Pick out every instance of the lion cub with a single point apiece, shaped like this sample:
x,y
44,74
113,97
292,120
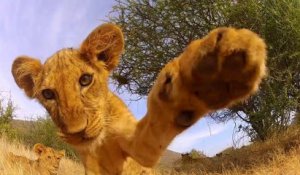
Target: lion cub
x,y
47,162
213,72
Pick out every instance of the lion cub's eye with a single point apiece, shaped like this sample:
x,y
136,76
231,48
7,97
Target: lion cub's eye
x,y
48,94
85,79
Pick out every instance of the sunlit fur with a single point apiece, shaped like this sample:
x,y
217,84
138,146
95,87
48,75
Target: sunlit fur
x,y
47,162
214,72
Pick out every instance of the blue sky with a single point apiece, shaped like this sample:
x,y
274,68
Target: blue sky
x,y
39,28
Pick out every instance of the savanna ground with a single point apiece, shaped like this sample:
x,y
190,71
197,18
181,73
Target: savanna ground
x,y
275,156
278,155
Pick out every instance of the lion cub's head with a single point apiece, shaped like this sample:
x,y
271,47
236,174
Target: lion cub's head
x,y
48,158
73,83
46,163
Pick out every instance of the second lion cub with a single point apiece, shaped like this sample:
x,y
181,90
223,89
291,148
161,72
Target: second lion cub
x,y
47,162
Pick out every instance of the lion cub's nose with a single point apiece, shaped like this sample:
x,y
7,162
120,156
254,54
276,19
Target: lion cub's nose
x,y
73,125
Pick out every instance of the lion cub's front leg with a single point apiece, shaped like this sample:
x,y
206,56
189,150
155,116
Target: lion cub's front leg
x,y
224,67
215,72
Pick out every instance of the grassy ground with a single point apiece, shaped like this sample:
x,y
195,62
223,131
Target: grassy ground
x,y
277,156
279,164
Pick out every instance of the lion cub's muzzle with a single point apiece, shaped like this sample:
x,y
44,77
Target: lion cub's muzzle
x,y
77,126
71,124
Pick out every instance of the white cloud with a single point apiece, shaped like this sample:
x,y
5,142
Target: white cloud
x,y
189,139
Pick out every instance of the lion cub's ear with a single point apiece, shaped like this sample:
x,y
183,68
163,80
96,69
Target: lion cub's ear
x,y
39,148
105,43
25,70
62,153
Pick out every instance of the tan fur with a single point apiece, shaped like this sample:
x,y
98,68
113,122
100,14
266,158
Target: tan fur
x,y
47,162
214,72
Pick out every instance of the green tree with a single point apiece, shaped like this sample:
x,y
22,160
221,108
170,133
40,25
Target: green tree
x,y
271,110
157,31
7,110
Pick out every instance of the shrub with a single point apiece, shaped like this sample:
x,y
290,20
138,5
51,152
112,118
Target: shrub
x,y
7,110
194,154
44,131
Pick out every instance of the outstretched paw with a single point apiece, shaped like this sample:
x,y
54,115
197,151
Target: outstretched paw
x,y
225,66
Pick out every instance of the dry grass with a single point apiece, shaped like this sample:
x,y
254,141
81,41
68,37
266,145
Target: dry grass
x,y
280,164
277,156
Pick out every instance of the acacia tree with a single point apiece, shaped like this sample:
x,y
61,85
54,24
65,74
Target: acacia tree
x,y
157,31
271,110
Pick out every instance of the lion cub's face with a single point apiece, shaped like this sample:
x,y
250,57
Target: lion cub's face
x,y
73,83
48,158
74,93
